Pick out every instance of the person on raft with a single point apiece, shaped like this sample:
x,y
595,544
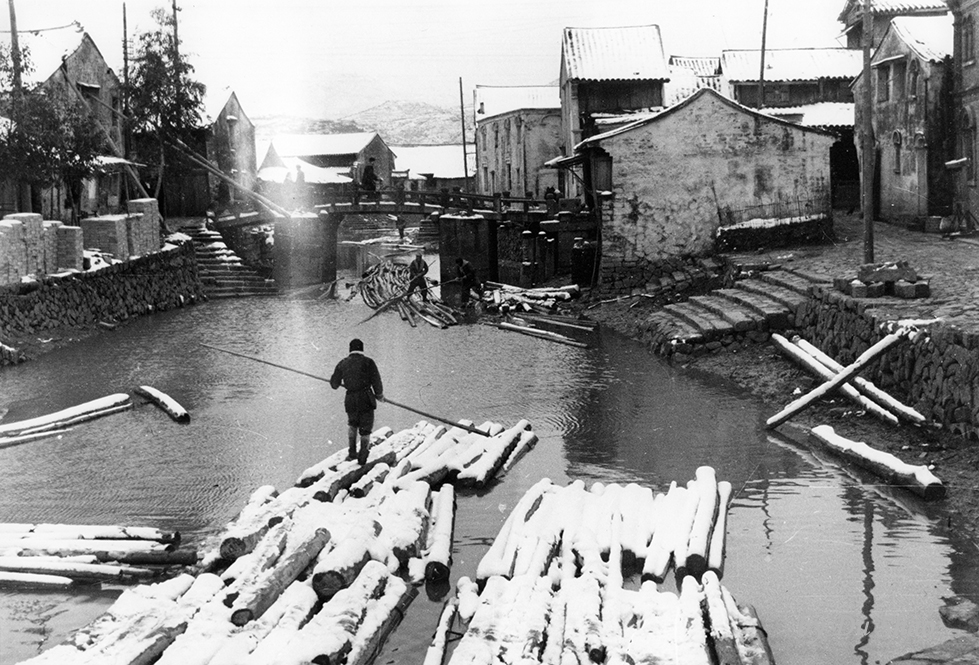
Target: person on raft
x,y
466,275
417,270
358,374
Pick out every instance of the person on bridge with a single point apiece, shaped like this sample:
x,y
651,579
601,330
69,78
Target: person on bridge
x,y
417,270
369,180
359,375
466,275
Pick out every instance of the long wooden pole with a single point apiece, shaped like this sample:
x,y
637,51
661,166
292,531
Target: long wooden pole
x,y
868,154
845,375
320,378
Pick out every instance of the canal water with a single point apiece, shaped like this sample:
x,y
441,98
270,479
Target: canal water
x,y
839,570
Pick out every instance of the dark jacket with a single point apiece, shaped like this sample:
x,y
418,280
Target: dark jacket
x,y
417,268
467,274
358,374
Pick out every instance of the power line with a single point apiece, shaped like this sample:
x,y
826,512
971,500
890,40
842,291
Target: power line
x,y
34,31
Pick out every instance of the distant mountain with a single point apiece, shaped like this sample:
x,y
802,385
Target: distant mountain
x,y
398,123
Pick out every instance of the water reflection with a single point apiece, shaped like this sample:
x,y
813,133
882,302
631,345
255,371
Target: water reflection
x,y
840,569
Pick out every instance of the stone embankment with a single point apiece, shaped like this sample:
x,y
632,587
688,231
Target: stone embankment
x,y
155,282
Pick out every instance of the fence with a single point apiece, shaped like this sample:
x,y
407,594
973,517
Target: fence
x,y
807,206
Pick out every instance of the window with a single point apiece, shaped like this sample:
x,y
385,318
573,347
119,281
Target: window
x,y
898,79
913,71
967,31
883,84
897,151
969,144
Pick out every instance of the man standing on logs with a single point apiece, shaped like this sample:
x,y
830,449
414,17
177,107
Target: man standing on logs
x,y
466,274
417,270
358,374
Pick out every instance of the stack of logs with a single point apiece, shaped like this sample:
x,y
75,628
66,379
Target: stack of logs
x,y
311,574
557,584
505,298
385,285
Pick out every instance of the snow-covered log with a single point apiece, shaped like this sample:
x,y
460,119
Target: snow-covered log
x,y
583,626
527,441
638,514
703,522
436,650
915,478
684,523
123,551
474,647
73,569
718,537
498,560
70,416
363,486
11,579
801,357
337,568
691,638
169,405
382,616
495,452
303,545
750,638
863,385
404,521
718,622
317,471
87,532
438,559
467,591
839,379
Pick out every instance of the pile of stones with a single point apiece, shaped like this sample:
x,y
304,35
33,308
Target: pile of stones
x,y
876,280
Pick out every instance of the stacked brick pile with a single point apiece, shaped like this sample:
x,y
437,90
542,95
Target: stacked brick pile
x,y
143,227
160,281
31,246
888,279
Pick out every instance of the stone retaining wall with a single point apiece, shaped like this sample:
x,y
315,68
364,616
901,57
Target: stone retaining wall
x,y
937,373
155,282
637,276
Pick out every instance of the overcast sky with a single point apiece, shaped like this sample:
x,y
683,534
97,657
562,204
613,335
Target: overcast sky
x,y
327,58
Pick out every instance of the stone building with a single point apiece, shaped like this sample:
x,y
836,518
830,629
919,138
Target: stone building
x,y
518,129
607,72
965,81
911,98
435,167
230,139
668,182
883,12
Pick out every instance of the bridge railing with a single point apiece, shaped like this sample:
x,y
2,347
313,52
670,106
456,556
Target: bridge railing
x,y
444,198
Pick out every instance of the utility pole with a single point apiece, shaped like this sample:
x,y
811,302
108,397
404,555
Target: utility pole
x,y
867,138
15,100
761,74
176,59
462,117
125,86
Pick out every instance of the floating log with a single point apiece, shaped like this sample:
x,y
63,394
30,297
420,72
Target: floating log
x,y
719,623
750,638
863,385
439,555
165,402
8,441
718,537
263,640
303,548
88,532
636,508
542,334
436,650
564,322
11,579
842,377
583,627
703,522
73,569
38,545
404,521
498,560
383,615
337,568
70,416
800,356
915,478
315,472
495,451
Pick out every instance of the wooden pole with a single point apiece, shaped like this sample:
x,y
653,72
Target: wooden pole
x,y
761,73
462,117
836,381
867,137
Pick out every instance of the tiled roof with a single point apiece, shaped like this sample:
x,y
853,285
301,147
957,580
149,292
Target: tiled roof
x,y
494,100
442,161
894,7
701,66
821,114
308,145
46,49
928,36
602,54
802,64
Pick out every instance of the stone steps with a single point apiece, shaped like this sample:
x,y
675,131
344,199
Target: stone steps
x,y
222,272
746,313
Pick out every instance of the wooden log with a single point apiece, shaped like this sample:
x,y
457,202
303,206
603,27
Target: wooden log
x,y
691,639
636,508
254,564
404,521
73,569
349,472
495,452
914,478
527,441
254,600
87,532
499,559
315,472
38,545
703,522
863,385
842,377
362,487
551,655
8,441
541,334
719,623
438,559
467,591
539,539
272,634
382,616
337,568
718,537
750,637
169,405
660,548
436,650
65,417
821,371
583,627
11,579
475,645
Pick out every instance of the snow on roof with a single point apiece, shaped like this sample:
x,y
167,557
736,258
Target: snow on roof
x,y
821,114
928,36
215,99
441,161
893,7
699,65
796,64
308,145
46,49
627,53
493,100
313,174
